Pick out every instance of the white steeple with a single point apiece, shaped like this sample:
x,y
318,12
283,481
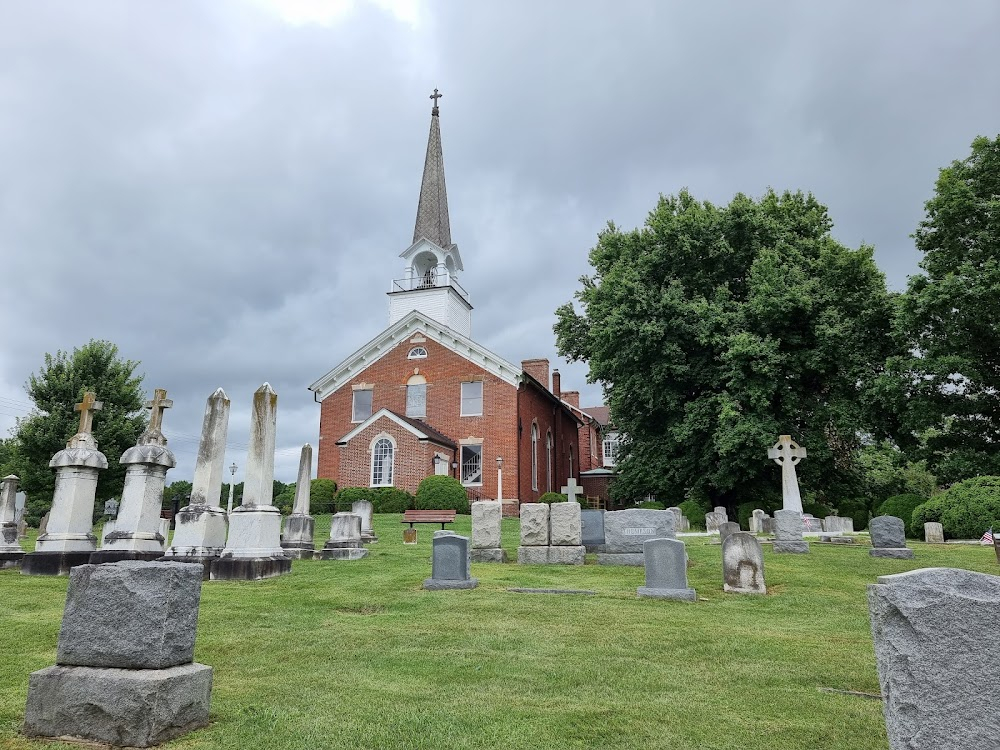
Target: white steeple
x,y
430,278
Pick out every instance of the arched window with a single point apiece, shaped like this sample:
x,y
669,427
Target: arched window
x,y
382,455
534,456
417,352
548,461
571,462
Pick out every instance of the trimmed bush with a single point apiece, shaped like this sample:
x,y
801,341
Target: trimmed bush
x,y
321,496
818,510
392,500
651,505
857,510
694,513
902,506
442,493
350,495
553,497
965,510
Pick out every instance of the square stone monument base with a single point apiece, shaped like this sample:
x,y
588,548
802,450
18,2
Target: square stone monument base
x,y
250,568
298,552
790,548
493,555
896,553
120,707
567,555
439,584
11,560
682,595
53,563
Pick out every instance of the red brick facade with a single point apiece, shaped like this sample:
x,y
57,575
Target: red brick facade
x,y
503,429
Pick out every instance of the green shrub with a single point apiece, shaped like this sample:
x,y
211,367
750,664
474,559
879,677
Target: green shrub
x,y
965,510
694,513
651,505
902,506
350,495
857,510
442,493
817,510
392,500
283,500
321,496
553,497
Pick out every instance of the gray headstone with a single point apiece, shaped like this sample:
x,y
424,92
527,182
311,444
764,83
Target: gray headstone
x,y
839,524
132,615
564,525
625,531
757,521
678,517
788,525
450,562
727,528
767,525
722,512
713,521
887,532
43,524
486,518
935,633
933,533
743,564
534,525
666,570
592,522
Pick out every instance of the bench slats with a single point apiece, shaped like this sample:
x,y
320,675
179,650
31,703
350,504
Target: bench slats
x,y
428,516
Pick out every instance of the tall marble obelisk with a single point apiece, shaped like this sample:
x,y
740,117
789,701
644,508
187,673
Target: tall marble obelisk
x,y
136,535
253,549
297,540
68,539
200,528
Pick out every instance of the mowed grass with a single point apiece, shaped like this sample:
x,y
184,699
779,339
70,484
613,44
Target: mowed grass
x,y
357,655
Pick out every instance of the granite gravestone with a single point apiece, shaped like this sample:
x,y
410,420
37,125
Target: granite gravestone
x,y
592,532
788,532
124,671
935,634
838,524
888,535
743,564
713,521
487,516
450,563
727,528
625,531
933,533
534,548
666,571
565,534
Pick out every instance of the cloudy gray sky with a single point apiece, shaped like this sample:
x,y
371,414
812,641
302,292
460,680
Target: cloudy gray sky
x,y
222,188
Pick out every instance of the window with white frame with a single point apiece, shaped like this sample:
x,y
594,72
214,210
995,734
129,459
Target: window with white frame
x,y
571,462
382,455
472,464
417,352
534,456
362,406
472,399
548,462
610,448
416,396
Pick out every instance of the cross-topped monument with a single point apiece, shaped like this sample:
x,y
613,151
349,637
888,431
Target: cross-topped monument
x,y
571,490
435,96
787,453
87,407
159,402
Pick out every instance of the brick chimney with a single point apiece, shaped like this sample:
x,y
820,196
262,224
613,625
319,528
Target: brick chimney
x,y
538,369
556,384
572,398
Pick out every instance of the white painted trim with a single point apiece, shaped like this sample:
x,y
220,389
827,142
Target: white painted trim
x,y
410,324
374,418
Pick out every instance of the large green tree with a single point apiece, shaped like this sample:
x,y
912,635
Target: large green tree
x,y
713,329
950,402
55,389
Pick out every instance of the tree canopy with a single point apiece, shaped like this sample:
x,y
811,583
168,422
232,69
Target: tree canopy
x,y
55,389
713,329
949,404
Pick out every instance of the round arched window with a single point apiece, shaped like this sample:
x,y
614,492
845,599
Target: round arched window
x,y
417,352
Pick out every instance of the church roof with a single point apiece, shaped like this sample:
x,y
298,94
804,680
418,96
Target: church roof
x,y
601,413
432,210
404,328
421,430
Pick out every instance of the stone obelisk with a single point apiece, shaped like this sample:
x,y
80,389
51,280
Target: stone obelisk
x,y
253,549
136,535
297,540
200,528
68,539
11,553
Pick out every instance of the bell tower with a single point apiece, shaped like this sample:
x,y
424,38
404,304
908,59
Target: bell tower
x,y
432,263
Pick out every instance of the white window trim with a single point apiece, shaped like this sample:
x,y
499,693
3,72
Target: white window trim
x,y
461,399
415,353
548,460
371,408
461,464
392,462
534,456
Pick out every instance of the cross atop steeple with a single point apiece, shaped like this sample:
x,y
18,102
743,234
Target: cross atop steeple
x,y
87,407
435,96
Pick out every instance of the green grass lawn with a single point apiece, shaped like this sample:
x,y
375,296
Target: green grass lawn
x,y
356,655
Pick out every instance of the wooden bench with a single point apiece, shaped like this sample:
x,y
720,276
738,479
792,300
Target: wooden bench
x,y
428,516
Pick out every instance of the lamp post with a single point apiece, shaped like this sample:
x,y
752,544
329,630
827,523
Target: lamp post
x,y
232,470
500,478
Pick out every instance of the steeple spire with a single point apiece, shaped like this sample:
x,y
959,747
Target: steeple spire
x,y
432,209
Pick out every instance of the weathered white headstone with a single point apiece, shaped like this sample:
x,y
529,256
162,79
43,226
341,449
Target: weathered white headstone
x,y
713,521
721,510
933,533
68,540
838,524
297,538
935,633
888,535
11,553
200,527
135,533
788,532
743,564
787,453
253,547
757,521
666,571
727,528
486,520
364,510
345,539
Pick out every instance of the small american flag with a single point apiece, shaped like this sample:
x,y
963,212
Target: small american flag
x,y
987,538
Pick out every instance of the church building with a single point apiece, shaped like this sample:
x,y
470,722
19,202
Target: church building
x,y
423,397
